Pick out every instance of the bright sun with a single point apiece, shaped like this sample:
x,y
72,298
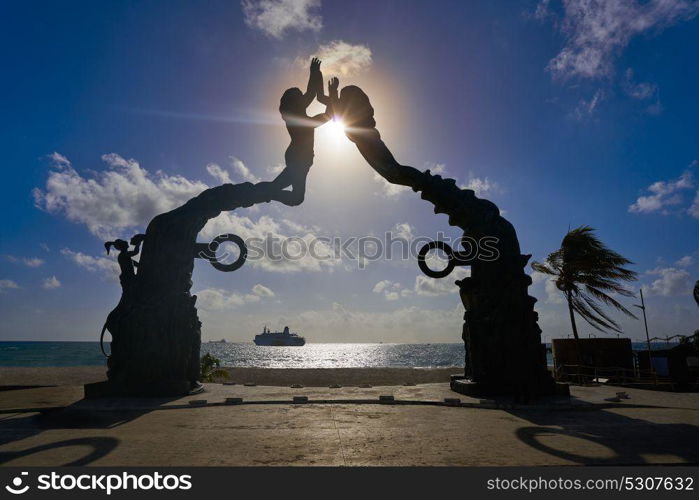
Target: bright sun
x,y
335,130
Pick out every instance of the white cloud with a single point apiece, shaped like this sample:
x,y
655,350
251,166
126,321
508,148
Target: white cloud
x,y
665,194
277,17
7,284
275,170
381,286
542,10
106,265
404,231
671,281
121,202
27,261
638,90
262,291
538,277
125,197
268,235
216,299
481,186
436,168
59,160
342,59
424,285
597,31
586,107
50,283
387,189
693,210
685,261
642,91
243,171
553,294
218,173
555,323
389,289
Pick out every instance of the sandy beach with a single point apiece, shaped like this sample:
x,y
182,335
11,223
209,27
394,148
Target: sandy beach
x,y
309,377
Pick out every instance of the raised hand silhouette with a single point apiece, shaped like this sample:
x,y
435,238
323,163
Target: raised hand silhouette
x,y
301,127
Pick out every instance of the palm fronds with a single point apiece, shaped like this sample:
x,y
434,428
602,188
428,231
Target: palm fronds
x,y
589,274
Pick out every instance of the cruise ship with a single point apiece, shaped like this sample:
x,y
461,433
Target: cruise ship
x,y
284,338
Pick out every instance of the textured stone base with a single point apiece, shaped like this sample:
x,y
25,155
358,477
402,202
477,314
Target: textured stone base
x,y
107,389
467,387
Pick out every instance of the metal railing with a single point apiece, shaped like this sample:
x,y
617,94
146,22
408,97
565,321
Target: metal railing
x,y
584,374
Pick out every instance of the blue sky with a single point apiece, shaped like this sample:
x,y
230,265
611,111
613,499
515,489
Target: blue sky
x,y
562,113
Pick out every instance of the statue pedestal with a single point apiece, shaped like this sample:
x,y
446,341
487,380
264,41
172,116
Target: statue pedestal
x,y
155,329
109,389
468,387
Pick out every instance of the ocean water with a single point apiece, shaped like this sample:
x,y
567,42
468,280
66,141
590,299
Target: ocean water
x,y
338,355
250,355
50,354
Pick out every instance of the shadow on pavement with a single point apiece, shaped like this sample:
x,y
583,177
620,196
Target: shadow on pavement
x,y
627,440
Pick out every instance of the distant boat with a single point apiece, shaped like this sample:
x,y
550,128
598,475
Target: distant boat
x,y
284,338
222,341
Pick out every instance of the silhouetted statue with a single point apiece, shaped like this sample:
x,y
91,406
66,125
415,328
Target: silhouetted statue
x,y
504,354
125,259
301,128
127,278
156,333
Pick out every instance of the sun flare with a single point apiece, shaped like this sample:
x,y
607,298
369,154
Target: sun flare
x,y
335,130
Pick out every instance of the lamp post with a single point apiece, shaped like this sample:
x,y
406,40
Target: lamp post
x,y
642,307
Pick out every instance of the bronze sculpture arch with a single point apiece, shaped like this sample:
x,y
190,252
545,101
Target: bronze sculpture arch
x,y
156,332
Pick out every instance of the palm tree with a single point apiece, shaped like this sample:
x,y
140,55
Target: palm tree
x,y
587,272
